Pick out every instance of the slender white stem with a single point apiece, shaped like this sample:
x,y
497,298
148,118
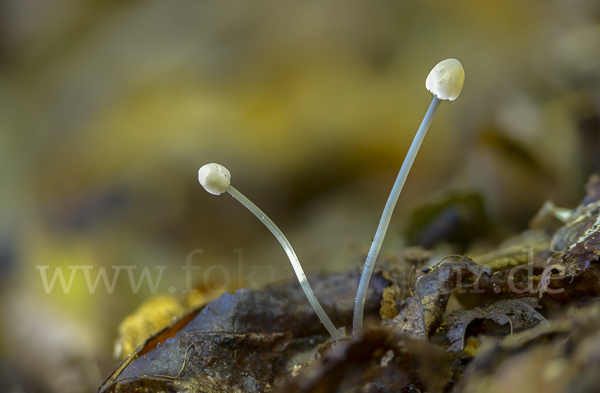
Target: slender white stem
x,y
363,286
293,259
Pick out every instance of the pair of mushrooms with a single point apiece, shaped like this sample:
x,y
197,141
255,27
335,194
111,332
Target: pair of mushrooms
x,y
445,81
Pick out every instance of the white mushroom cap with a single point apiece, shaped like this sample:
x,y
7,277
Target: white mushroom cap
x,y
446,79
215,178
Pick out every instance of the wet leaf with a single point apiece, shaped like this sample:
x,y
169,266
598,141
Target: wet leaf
x,y
519,313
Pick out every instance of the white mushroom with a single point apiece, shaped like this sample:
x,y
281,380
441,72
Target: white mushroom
x,y
216,180
445,81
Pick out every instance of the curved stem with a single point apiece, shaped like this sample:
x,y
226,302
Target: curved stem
x,y
293,259
363,286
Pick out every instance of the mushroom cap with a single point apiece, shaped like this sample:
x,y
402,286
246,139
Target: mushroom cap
x,y
215,178
446,79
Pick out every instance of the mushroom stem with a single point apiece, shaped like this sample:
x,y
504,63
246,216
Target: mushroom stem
x,y
363,286
335,333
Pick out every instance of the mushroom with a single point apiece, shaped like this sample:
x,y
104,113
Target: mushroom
x,y
445,81
216,180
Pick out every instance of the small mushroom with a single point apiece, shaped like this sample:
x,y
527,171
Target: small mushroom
x,y
445,81
216,180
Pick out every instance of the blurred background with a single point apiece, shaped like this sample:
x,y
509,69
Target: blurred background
x,y
108,109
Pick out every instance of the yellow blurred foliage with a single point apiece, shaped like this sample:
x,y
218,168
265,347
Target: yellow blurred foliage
x,y
151,316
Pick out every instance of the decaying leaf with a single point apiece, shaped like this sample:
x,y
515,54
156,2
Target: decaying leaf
x,y
552,272
422,313
519,313
549,218
576,247
566,271
397,269
559,357
529,246
244,319
153,315
380,361
206,362
389,303
284,307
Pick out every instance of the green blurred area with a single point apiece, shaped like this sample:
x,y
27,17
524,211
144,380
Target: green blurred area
x,y
108,109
